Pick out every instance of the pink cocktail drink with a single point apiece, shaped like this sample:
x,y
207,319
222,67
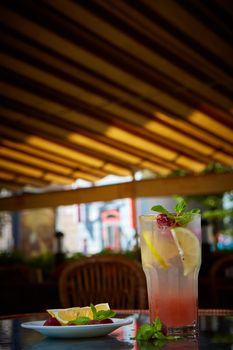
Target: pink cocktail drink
x,y
171,258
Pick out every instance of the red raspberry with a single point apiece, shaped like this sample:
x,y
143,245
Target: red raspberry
x,y
107,320
164,329
94,322
52,321
163,221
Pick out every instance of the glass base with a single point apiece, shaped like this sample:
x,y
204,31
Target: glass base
x,y
190,331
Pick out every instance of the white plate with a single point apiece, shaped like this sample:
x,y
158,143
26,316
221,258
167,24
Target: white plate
x,y
87,331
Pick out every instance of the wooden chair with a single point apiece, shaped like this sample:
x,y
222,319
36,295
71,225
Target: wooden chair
x,y
221,276
117,280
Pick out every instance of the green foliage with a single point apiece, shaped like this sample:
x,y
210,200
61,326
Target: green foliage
x,y
179,172
11,258
227,231
217,168
74,256
218,214
211,202
212,168
131,254
43,261
215,212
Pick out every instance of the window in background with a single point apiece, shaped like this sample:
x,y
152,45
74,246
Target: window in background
x,y
92,227
6,237
37,231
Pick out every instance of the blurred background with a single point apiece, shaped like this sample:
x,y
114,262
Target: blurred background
x,y
107,108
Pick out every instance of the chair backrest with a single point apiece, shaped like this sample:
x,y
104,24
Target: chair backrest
x,y
223,268
117,280
221,275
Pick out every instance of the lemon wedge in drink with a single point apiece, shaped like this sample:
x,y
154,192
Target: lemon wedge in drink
x,y
64,316
188,247
159,259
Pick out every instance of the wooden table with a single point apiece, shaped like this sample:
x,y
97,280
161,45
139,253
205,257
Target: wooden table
x,y
215,333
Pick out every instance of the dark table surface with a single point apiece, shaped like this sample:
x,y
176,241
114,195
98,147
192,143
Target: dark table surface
x,y
216,332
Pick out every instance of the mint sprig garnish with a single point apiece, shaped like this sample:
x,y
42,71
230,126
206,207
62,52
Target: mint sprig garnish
x,y
101,314
180,217
94,311
152,332
160,209
82,320
97,315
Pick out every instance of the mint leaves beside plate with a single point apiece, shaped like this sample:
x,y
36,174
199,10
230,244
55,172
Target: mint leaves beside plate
x,y
153,336
154,331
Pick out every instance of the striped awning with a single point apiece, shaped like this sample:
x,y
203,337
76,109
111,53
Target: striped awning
x,y
97,87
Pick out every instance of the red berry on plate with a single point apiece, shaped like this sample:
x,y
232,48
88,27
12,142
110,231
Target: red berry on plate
x,y
107,320
52,321
94,322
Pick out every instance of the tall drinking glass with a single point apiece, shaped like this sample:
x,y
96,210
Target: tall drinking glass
x,y
171,259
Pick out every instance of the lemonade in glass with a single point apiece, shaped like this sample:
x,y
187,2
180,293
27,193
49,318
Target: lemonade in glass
x,y
171,259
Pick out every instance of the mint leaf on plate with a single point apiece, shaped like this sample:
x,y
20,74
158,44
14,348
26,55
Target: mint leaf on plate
x,y
104,314
82,320
101,314
94,311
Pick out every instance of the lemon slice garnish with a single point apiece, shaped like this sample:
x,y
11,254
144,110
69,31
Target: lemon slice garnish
x,y
154,252
188,247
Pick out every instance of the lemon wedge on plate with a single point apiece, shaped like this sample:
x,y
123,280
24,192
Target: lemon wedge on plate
x,y
102,306
64,316
188,247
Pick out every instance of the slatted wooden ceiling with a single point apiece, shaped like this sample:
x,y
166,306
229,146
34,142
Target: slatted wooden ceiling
x,y
97,87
